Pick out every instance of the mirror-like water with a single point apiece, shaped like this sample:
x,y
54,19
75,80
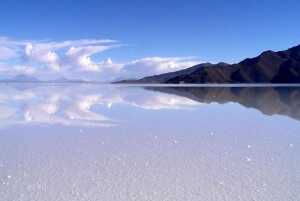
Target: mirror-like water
x,y
104,142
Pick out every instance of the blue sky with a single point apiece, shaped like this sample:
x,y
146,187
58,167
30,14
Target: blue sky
x,y
75,38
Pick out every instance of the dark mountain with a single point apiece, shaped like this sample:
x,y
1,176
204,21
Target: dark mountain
x,y
22,79
268,67
268,100
166,76
122,80
117,79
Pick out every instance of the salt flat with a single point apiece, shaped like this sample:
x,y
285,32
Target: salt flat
x,y
103,142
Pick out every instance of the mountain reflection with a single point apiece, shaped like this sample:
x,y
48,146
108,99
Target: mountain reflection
x,y
89,105
268,100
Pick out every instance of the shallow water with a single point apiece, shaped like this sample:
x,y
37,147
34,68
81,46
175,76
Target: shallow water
x,y
107,142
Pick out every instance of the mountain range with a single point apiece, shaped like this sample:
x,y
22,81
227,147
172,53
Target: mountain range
x,y
166,76
268,67
27,79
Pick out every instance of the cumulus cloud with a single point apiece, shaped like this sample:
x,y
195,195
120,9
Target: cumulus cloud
x,y
39,53
44,51
47,58
8,48
73,59
157,65
109,61
80,57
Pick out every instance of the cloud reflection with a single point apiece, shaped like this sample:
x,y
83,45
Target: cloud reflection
x,y
78,105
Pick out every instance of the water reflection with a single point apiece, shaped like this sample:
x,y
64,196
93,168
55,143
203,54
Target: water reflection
x,y
50,105
73,104
268,100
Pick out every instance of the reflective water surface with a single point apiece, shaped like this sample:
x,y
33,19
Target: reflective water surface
x,y
110,142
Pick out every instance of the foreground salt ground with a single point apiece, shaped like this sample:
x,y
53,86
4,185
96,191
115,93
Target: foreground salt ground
x,y
169,148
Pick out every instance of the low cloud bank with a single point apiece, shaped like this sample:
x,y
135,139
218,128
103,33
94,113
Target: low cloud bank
x,y
72,59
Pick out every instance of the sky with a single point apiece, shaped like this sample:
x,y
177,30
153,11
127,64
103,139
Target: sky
x,y
103,40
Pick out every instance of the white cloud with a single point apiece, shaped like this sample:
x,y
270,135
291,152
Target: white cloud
x,y
79,57
24,69
73,59
5,41
8,48
6,52
44,51
8,72
109,61
49,59
157,65
39,53
3,67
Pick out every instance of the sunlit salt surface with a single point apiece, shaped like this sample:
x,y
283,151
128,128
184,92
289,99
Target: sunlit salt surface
x,y
106,142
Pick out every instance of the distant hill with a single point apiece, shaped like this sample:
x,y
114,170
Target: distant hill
x,y
22,79
66,80
27,79
268,67
166,76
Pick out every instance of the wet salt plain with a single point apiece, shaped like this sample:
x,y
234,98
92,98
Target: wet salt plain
x,y
108,142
